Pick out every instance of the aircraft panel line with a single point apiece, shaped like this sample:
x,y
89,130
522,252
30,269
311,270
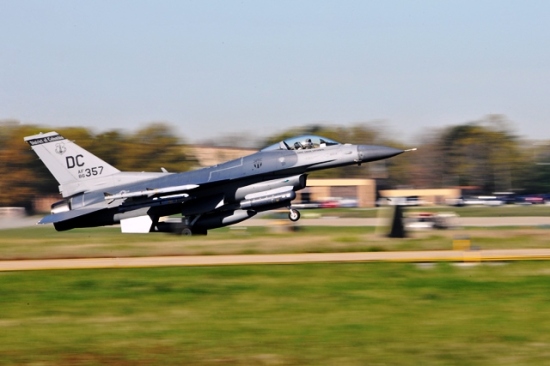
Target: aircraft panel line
x,y
228,168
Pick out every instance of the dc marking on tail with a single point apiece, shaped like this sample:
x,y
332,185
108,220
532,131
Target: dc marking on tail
x,y
78,161
74,161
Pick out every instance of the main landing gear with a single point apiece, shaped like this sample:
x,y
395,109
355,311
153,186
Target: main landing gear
x,y
181,227
293,215
188,231
188,227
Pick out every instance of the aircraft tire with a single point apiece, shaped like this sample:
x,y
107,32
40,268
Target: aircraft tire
x,y
187,231
294,215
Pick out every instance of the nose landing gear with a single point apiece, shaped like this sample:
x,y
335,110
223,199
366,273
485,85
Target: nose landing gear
x,y
294,215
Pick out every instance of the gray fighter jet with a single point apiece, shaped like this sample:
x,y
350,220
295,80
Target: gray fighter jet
x,y
96,193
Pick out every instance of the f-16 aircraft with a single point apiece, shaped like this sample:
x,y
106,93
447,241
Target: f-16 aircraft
x,y
96,193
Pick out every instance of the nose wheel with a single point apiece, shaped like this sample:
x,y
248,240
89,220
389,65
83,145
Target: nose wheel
x,y
294,215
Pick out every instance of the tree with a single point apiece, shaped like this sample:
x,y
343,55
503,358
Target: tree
x,y
482,154
155,146
536,168
22,175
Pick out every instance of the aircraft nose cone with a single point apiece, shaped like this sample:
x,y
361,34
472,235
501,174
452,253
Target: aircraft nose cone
x,y
373,152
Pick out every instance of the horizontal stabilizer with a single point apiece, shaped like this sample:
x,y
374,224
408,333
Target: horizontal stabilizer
x,y
67,215
150,192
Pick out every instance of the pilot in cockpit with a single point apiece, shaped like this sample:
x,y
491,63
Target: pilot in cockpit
x,y
306,144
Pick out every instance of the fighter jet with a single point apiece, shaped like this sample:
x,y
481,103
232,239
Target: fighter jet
x,y
96,193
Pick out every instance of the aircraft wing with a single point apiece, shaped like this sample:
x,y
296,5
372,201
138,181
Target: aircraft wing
x,y
167,192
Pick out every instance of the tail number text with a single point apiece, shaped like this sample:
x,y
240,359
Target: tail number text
x,y
89,172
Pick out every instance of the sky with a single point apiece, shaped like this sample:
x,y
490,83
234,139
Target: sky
x,y
258,67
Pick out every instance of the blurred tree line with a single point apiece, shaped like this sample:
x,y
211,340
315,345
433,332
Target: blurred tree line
x,y
484,155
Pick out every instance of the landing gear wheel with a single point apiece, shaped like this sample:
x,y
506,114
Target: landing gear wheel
x,y
294,215
187,232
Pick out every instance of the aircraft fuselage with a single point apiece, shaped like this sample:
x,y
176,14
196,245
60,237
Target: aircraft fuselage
x,y
211,197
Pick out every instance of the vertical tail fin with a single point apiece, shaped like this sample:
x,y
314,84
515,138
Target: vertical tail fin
x,y
68,162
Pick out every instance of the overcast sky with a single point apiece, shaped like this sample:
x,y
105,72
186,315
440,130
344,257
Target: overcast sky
x,y
218,67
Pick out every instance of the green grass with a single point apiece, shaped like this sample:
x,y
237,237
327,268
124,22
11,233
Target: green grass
x,y
323,314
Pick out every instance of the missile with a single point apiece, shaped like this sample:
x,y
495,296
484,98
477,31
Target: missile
x,y
149,192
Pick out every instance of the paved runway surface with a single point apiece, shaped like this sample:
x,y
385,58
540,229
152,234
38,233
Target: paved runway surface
x,y
176,261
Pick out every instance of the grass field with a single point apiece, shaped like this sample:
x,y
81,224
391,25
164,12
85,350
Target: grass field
x,y
317,314
337,314
44,242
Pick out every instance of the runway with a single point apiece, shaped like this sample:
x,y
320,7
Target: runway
x,y
470,256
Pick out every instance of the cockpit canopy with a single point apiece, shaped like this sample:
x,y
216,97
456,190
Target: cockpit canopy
x,y
302,143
